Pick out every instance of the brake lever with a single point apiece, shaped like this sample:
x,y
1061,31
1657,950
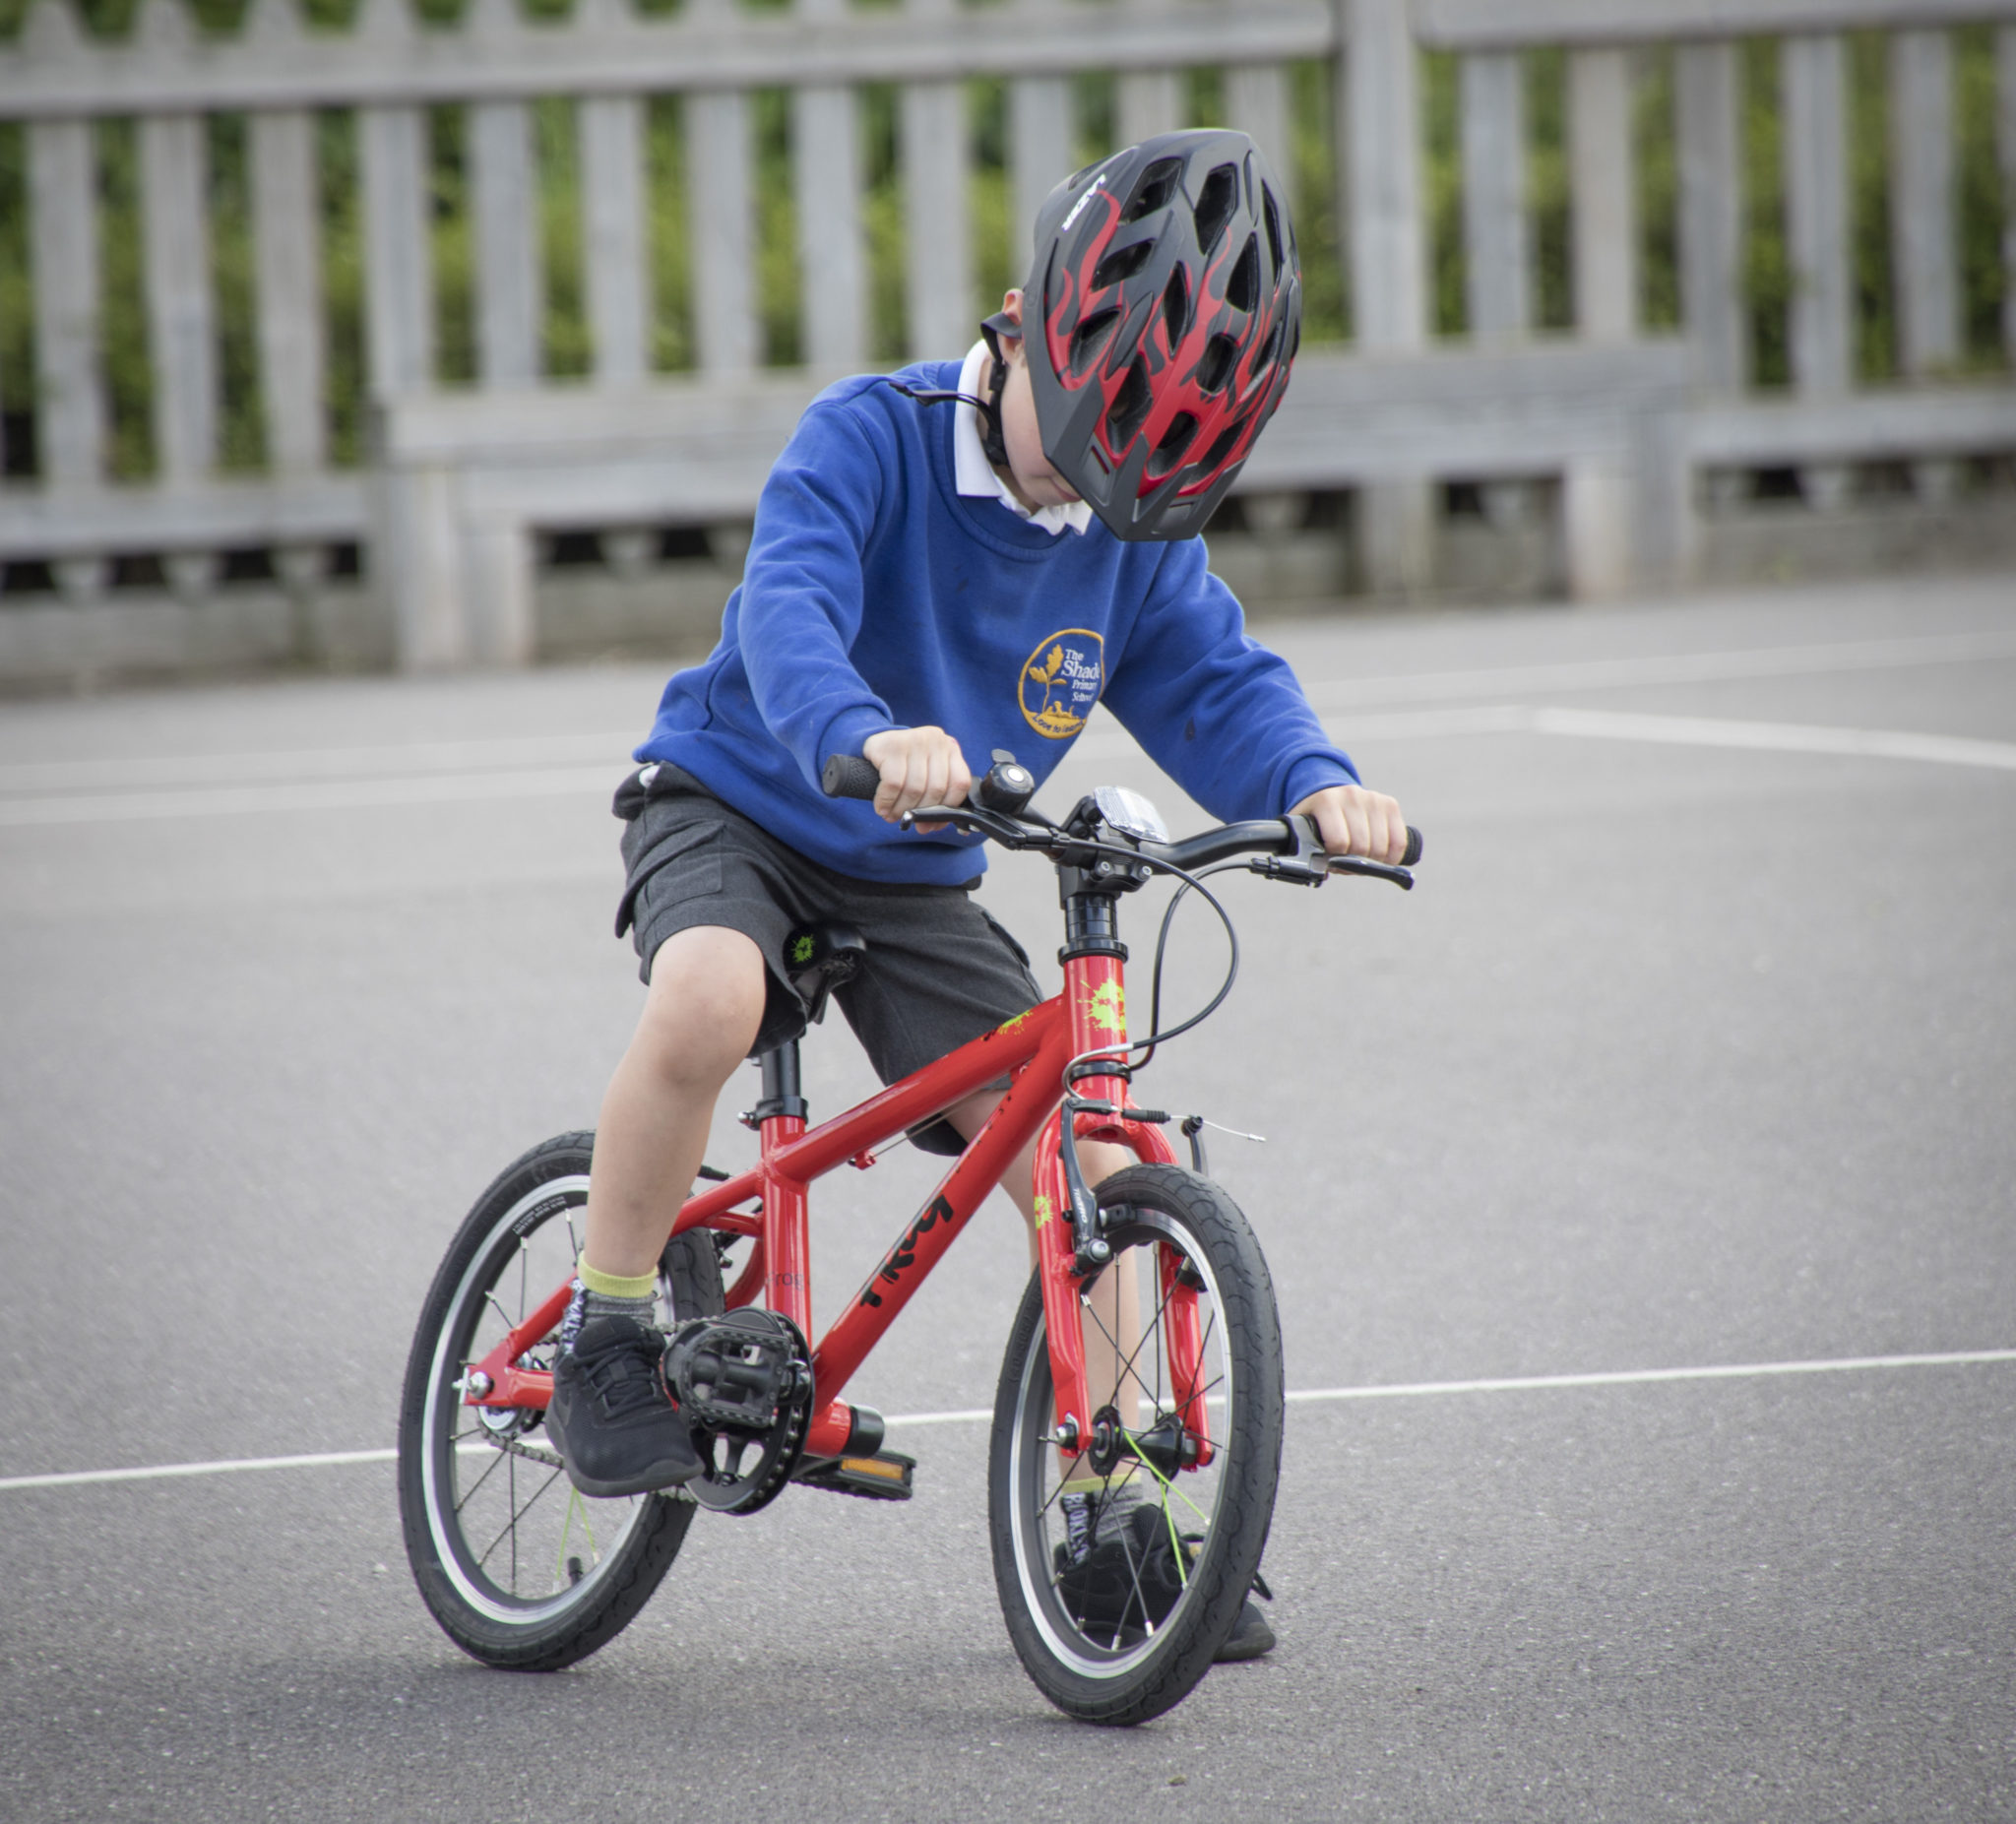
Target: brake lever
x,y
1372,871
990,824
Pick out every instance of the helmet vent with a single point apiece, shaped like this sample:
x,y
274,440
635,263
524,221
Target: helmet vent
x,y
1121,265
1272,216
1227,441
1157,184
1175,305
1129,410
1176,440
1244,292
1215,368
1090,338
1216,205
1263,361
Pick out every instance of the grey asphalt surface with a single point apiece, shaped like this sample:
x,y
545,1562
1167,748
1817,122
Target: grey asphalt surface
x,y
1679,1056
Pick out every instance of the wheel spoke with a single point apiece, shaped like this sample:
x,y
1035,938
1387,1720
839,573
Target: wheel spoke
x,y
502,1561
490,1470
510,1528
1150,1327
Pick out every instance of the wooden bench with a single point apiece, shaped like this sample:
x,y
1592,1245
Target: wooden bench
x,y
464,484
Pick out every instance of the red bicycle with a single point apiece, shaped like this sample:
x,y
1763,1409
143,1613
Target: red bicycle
x,y
1146,1355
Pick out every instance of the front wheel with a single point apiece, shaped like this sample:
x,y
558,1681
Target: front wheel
x,y
520,1569
1121,1570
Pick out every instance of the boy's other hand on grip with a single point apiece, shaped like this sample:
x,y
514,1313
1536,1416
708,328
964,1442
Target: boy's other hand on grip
x,y
1352,821
918,766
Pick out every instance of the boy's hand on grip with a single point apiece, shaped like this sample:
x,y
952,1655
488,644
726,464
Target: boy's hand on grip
x,y
1352,821
918,766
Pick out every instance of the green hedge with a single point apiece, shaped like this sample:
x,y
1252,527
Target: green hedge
x,y
567,342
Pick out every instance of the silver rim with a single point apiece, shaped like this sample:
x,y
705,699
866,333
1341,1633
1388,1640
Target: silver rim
x,y
518,1541
1189,1500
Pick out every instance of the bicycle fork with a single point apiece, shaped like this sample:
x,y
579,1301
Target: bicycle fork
x,y
1071,1249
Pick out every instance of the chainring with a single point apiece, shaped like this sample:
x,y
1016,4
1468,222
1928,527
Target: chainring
x,y
744,1466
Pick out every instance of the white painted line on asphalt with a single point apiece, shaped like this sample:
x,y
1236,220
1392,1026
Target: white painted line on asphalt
x,y
227,1466
45,810
546,765
347,794
1775,737
1667,668
283,765
1646,1377
1417,1390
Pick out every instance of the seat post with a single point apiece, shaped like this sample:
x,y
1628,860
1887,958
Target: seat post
x,y
779,1118
781,1086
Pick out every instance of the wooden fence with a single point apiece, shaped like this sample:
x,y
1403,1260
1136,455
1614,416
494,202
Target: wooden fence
x,y
609,61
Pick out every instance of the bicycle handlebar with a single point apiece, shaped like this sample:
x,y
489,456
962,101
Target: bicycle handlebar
x,y
848,775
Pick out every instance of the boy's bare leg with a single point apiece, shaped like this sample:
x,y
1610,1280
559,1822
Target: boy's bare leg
x,y
708,985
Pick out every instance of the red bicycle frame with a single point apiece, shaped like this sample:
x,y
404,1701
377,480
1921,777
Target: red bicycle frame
x,y
1032,1050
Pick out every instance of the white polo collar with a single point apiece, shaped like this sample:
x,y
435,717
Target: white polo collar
x,y
979,480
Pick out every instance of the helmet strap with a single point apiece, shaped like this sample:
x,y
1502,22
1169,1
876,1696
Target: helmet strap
x,y
993,441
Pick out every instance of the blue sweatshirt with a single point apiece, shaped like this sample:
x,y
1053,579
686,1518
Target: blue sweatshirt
x,y
876,597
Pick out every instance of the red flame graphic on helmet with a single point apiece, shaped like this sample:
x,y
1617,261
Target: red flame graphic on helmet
x,y
1227,415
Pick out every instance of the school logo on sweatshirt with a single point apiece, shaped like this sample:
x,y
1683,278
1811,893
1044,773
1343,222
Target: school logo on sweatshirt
x,y
1061,681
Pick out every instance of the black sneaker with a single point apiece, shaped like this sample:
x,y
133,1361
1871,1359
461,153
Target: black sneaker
x,y
609,1418
1116,1584
1249,1639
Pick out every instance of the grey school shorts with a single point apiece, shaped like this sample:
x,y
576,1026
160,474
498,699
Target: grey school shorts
x,y
938,971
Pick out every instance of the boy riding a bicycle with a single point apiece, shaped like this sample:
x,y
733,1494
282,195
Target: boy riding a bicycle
x,y
924,587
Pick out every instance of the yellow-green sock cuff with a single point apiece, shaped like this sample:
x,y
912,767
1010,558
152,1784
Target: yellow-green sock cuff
x,y
615,1284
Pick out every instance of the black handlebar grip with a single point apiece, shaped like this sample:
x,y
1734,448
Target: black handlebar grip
x,y
848,775
1414,848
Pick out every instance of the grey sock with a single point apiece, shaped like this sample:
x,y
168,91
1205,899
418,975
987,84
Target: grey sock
x,y
586,1305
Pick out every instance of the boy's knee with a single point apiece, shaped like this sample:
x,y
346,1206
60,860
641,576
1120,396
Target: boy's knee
x,y
709,987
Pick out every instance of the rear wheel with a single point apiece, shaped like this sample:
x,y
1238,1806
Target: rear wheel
x,y
1192,1427
521,1569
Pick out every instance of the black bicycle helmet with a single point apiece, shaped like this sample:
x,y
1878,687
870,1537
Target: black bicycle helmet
x,y
1159,321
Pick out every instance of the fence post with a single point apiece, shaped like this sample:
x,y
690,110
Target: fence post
x,y
618,274
826,181
721,228
286,254
2005,140
938,279
503,212
1379,152
1146,102
181,337
1711,224
399,281
413,557
63,248
617,270
1256,102
1815,101
616,267
1498,269
1039,155
1603,195
1922,220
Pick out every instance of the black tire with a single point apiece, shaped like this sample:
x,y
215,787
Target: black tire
x,y
488,1513
1129,1672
